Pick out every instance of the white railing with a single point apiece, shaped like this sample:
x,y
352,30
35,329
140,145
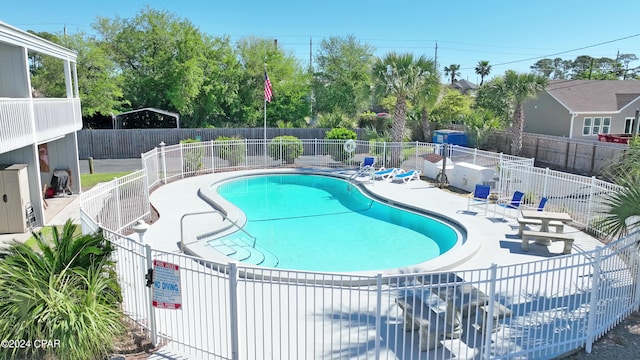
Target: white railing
x,y
17,132
542,309
53,118
117,205
56,117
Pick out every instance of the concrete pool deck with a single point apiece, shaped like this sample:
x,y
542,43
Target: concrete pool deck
x,y
489,239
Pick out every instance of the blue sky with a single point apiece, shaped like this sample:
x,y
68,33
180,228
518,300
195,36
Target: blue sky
x,y
509,34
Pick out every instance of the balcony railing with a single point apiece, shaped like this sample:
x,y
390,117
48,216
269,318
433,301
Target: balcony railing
x,y
53,118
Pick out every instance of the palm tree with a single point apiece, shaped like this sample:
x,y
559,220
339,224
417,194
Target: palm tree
x,y
517,88
483,69
623,206
426,99
402,76
67,290
453,70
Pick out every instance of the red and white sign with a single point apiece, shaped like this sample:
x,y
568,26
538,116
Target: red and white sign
x,y
166,285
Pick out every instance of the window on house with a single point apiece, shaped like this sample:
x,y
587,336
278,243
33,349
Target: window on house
x,y
597,123
628,125
586,129
606,125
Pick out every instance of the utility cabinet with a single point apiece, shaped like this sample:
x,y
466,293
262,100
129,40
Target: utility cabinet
x,y
14,198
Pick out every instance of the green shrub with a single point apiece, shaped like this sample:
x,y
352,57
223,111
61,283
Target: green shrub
x,y
286,147
337,152
192,156
340,134
232,149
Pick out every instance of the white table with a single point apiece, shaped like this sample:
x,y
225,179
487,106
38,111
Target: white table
x,y
545,218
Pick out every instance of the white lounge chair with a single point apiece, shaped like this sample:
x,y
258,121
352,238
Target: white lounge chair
x,y
385,174
407,176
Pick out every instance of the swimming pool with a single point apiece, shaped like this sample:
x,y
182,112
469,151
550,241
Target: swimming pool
x,y
322,223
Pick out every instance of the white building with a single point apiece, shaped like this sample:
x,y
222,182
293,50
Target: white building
x,y
29,124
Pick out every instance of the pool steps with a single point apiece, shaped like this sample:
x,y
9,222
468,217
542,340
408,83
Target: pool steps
x,y
238,248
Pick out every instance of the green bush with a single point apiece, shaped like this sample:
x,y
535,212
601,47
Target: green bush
x,y
232,149
192,156
286,147
340,134
337,152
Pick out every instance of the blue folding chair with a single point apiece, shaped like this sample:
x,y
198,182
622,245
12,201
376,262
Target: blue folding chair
x,y
514,203
480,197
543,202
367,163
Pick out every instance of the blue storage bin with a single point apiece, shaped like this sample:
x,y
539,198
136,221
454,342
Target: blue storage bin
x,y
453,137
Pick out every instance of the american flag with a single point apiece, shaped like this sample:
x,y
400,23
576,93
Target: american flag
x,y
267,88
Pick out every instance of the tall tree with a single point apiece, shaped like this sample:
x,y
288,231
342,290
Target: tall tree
x,y
403,76
164,61
452,70
483,69
99,84
626,59
341,82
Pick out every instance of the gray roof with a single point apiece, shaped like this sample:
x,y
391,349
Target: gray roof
x,y
465,85
594,95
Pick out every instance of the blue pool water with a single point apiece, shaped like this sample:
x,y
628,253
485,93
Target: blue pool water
x,y
321,223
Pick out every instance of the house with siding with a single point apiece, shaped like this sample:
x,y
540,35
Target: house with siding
x,y
36,131
583,109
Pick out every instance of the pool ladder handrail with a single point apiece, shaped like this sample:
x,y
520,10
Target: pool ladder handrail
x,y
223,217
253,245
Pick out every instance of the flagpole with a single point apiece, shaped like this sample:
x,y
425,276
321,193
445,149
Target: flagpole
x,y
265,123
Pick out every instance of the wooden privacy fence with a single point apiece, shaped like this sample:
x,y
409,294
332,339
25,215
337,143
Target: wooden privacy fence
x,y
130,143
572,155
578,156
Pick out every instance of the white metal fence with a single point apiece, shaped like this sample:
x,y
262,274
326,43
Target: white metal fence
x,y
580,196
535,310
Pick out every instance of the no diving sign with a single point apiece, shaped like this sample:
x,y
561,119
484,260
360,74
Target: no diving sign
x,y
166,285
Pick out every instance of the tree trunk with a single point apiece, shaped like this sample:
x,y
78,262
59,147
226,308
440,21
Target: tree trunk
x,y
424,124
517,128
397,129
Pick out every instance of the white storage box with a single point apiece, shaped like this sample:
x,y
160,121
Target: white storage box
x,y
465,176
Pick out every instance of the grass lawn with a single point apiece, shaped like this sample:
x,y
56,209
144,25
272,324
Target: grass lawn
x,y
90,180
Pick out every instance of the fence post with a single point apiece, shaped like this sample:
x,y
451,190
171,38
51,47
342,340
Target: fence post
x,y
164,162
378,315
489,325
118,211
384,153
637,275
591,319
152,312
546,181
475,155
181,159
233,310
591,191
